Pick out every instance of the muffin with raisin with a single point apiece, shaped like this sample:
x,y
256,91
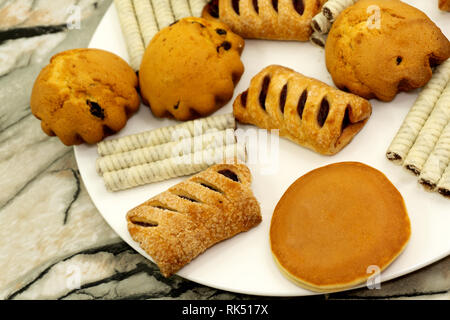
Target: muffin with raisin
x,y
190,69
84,95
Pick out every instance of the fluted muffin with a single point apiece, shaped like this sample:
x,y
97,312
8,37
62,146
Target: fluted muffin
x,y
84,95
377,53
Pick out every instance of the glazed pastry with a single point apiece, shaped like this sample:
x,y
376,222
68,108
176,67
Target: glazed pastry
x,y
190,69
444,5
305,110
84,95
337,224
266,19
377,58
177,225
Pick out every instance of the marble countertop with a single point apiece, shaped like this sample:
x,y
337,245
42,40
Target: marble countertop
x,y
55,244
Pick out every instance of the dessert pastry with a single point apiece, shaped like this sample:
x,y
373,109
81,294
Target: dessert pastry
x,y
376,57
337,224
177,225
444,5
266,19
175,166
305,110
84,95
190,68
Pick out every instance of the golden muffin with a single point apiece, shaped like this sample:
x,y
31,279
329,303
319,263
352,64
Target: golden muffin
x,y
190,69
336,224
84,95
377,48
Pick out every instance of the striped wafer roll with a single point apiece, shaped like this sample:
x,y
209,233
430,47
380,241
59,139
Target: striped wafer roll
x,y
131,32
197,7
437,162
172,167
137,157
166,134
418,115
180,9
163,13
429,134
443,186
146,19
318,39
332,8
320,23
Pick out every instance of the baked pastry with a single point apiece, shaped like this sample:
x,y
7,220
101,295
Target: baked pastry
x,y
336,225
177,225
305,110
190,68
376,57
84,95
444,5
266,19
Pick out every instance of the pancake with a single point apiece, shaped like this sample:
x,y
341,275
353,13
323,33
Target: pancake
x,y
335,222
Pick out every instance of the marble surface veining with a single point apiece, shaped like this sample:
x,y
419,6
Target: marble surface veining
x,y
54,243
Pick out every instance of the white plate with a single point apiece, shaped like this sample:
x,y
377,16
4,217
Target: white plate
x,y
244,263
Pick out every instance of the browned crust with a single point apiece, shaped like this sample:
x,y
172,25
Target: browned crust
x,y
288,20
75,80
344,108
173,230
444,5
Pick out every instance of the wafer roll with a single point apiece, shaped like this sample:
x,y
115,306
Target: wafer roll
x,y
429,134
131,32
137,157
332,8
180,9
146,19
443,186
171,168
437,162
197,7
418,115
320,23
166,134
318,39
163,13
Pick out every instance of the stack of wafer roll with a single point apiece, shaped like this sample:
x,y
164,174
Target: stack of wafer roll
x,y
168,152
422,144
140,20
322,22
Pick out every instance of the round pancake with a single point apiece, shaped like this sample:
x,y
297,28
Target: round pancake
x,y
335,223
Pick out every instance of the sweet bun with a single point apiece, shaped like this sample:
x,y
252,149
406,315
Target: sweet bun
x,y
84,95
378,56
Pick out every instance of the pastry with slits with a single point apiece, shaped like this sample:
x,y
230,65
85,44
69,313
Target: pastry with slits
x,y
304,110
266,19
177,225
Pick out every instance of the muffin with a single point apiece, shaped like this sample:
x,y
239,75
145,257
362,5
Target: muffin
x,y
190,69
84,95
376,54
